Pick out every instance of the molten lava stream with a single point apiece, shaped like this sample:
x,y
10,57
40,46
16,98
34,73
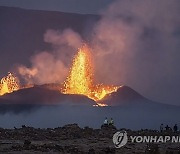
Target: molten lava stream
x,y
9,84
81,78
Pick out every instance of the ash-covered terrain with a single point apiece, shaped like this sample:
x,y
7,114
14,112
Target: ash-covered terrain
x,y
73,139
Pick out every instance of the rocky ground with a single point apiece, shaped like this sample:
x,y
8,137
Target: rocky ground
x,y
73,139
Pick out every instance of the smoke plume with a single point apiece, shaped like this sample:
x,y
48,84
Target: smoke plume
x,y
52,66
137,44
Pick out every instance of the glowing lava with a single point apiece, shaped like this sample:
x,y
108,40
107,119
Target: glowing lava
x,y
9,84
80,79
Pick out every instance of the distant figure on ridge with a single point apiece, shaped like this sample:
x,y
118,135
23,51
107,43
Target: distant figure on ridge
x,y
161,128
108,124
167,127
111,122
175,128
106,121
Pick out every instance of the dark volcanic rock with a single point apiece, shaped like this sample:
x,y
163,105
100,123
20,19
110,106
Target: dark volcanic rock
x,y
72,131
124,95
91,151
27,144
107,130
41,95
108,150
73,139
152,149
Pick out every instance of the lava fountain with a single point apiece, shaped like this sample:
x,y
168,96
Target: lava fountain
x,y
9,84
81,78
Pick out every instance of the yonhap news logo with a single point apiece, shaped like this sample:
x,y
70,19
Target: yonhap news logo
x,y
121,138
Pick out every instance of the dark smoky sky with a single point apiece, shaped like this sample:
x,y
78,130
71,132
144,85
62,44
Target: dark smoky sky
x,y
74,6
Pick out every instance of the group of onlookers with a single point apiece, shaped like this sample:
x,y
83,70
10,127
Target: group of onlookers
x,y
162,127
167,128
108,122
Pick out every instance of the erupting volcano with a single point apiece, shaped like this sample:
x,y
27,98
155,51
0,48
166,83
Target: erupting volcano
x,y
79,81
81,78
9,84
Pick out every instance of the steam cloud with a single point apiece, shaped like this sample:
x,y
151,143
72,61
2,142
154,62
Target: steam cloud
x,y
51,66
138,45
135,43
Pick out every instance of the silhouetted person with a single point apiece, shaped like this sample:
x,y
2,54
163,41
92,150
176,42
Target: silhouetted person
x,y
111,122
175,128
106,121
167,128
161,128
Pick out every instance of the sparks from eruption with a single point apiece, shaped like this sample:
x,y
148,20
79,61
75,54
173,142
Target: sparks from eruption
x,y
9,84
81,78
